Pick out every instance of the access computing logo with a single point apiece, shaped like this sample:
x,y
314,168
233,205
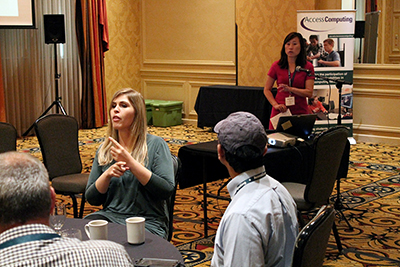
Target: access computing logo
x,y
312,23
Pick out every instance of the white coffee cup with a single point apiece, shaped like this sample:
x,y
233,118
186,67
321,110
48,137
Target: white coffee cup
x,y
135,230
97,229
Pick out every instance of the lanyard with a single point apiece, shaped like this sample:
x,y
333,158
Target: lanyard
x,y
27,238
290,77
249,180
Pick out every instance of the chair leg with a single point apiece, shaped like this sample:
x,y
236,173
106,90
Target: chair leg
x,y
337,238
74,205
82,206
302,223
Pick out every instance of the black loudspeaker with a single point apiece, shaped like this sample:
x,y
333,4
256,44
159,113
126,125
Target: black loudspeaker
x,y
359,29
54,29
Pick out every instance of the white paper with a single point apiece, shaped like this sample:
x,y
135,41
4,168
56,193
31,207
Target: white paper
x,y
275,119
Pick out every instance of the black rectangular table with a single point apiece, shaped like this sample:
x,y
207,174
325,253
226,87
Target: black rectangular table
x,y
153,246
200,165
289,164
216,102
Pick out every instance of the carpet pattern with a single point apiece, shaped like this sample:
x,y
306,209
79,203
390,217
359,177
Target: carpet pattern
x,y
372,189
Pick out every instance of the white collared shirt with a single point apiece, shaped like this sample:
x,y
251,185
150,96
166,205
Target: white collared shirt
x,y
259,227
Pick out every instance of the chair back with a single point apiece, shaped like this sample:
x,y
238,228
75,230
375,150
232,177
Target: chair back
x,y
58,140
312,241
8,140
171,200
328,151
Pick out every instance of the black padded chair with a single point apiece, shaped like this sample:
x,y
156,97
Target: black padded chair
x,y
8,140
328,149
58,140
312,241
171,201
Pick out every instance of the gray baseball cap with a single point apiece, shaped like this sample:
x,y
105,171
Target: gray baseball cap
x,y
239,129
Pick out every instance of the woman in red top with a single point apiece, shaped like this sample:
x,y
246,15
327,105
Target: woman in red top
x,y
293,86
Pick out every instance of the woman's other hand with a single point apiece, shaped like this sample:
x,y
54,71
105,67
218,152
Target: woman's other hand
x,y
117,169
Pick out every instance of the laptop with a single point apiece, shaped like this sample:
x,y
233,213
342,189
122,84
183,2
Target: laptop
x,y
297,125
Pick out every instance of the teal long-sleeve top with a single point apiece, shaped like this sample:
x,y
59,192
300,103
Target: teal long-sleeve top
x,y
127,197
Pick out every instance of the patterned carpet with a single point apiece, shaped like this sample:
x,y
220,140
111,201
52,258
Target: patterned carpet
x,y
372,188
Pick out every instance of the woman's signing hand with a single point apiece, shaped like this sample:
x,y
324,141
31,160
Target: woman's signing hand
x,y
118,152
284,87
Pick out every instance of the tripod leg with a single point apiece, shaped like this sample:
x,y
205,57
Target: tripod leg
x,y
345,219
339,207
337,238
44,113
61,107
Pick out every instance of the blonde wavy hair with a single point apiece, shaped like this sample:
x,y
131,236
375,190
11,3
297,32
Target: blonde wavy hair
x,y
138,129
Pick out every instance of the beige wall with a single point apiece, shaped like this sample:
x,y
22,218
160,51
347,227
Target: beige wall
x,y
389,30
188,31
328,5
377,86
376,103
122,61
262,25
186,45
164,68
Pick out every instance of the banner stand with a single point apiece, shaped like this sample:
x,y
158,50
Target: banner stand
x,y
332,27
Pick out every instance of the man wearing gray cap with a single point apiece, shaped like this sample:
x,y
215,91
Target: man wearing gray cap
x,y
259,227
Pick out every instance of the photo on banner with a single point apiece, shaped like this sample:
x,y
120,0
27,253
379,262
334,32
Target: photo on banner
x,y
330,48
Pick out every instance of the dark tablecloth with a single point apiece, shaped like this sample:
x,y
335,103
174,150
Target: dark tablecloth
x,y
290,164
153,247
216,102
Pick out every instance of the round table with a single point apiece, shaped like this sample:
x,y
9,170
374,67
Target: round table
x,y
153,246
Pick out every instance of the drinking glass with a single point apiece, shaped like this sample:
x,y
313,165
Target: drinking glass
x,y
58,216
73,232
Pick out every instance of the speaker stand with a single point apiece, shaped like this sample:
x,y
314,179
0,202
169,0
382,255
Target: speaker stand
x,y
57,101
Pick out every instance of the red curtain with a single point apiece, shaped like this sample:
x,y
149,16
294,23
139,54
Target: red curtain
x,y
2,101
92,34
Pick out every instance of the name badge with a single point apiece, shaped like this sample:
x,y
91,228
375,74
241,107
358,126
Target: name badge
x,y
289,101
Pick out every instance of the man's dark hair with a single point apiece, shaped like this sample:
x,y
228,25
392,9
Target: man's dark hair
x,y
245,158
313,36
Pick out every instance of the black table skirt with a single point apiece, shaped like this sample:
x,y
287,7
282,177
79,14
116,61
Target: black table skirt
x,y
216,102
290,164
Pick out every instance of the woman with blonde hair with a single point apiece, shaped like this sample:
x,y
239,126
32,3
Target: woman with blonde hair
x,y
132,173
